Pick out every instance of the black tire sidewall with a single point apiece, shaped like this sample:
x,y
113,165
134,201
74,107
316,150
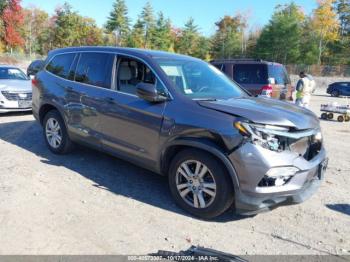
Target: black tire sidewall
x,y
224,192
63,148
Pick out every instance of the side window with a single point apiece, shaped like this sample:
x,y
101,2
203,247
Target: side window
x,y
280,74
130,72
60,65
250,74
95,69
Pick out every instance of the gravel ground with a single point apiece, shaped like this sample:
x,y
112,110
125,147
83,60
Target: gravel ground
x,y
91,203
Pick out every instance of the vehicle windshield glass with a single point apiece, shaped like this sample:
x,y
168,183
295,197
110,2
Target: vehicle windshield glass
x,y
199,80
12,74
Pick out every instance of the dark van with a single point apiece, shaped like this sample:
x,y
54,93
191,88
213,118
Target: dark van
x,y
258,77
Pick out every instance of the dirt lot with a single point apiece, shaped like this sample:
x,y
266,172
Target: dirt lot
x,y
90,203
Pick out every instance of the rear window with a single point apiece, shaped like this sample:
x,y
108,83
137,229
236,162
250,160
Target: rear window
x,y
95,69
250,73
279,73
60,65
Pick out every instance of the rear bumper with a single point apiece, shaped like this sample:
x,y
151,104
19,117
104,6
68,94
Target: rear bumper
x,y
9,110
251,164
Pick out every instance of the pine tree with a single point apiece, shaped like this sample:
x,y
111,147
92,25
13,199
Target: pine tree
x,y
118,22
280,39
188,41
162,37
148,23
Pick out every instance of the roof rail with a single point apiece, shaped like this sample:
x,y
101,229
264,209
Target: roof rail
x,y
237,59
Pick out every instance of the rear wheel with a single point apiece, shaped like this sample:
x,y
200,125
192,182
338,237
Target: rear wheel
x,y
200,184
341,118
335,93
330,116
347,118
55,133
324,116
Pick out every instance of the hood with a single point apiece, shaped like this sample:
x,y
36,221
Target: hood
x,y
266,111
16,85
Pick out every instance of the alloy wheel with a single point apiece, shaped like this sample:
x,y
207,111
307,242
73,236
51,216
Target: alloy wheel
x,y
195,184
53,133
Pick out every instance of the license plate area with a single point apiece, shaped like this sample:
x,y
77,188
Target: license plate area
x,y
24,103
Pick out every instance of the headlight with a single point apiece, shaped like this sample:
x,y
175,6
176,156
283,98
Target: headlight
x,y
263,135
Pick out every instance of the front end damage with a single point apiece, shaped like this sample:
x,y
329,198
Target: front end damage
x,y
277,166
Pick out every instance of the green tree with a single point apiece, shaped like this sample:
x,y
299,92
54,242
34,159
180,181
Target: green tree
x,y
118,22
188,41
280,39
36,23
227,41
161,37
137,37
148,23
343,10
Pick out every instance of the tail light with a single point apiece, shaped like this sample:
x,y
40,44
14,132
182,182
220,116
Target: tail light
x,y
266,90
35,82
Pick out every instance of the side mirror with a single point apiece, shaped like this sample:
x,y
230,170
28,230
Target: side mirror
x,y
271,81
149,93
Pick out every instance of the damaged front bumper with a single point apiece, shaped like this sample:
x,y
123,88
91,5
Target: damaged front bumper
x,y
253,162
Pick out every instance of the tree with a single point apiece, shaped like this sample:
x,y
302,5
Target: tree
x,y
36,23
162,37
12,18
227,41
343,9
325,24
118,22
188,41
136,38
148,23
280,39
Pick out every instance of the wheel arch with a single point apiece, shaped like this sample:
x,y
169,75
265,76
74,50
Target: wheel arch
x,y
47,107
201,144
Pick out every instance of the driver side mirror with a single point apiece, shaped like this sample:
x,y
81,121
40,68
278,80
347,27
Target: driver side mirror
x,y
149,93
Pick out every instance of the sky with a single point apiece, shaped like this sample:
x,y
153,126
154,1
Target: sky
x,y
204,12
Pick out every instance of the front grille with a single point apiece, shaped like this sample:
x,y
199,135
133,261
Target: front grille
x,y
15,96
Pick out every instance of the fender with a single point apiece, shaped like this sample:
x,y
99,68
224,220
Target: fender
x,y
210,147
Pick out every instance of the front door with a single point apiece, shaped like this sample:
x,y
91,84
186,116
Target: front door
x,y
130,126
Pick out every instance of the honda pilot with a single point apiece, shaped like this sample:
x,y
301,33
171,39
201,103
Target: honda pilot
x,y
181,117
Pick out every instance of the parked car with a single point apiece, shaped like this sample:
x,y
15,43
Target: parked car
x,y
34,67
339,89
15,90
258,77
181,117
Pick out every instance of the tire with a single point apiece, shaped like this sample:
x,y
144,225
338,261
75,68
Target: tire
x,y
340,118
335,93
324,116
347,118
330,116
215,176
65,145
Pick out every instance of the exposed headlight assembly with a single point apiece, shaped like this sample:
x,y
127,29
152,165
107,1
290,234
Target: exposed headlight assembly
x,y
266,136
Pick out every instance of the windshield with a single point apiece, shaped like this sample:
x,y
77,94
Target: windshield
x,y
12,74
199,80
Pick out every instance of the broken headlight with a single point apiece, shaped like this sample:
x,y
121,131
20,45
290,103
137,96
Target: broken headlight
x,y
267,136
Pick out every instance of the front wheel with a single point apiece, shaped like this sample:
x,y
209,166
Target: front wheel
x,y
55,133
200,184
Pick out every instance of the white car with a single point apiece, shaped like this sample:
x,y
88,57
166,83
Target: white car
x,y
15,90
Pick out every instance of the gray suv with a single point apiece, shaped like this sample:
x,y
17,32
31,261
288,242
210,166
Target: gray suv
x,y
183,118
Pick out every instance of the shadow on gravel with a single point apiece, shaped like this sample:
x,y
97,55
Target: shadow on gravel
x,y
106,172
342,208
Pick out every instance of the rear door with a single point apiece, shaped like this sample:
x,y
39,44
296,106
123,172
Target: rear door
x,y
92,77
282,89
130,126
251,76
